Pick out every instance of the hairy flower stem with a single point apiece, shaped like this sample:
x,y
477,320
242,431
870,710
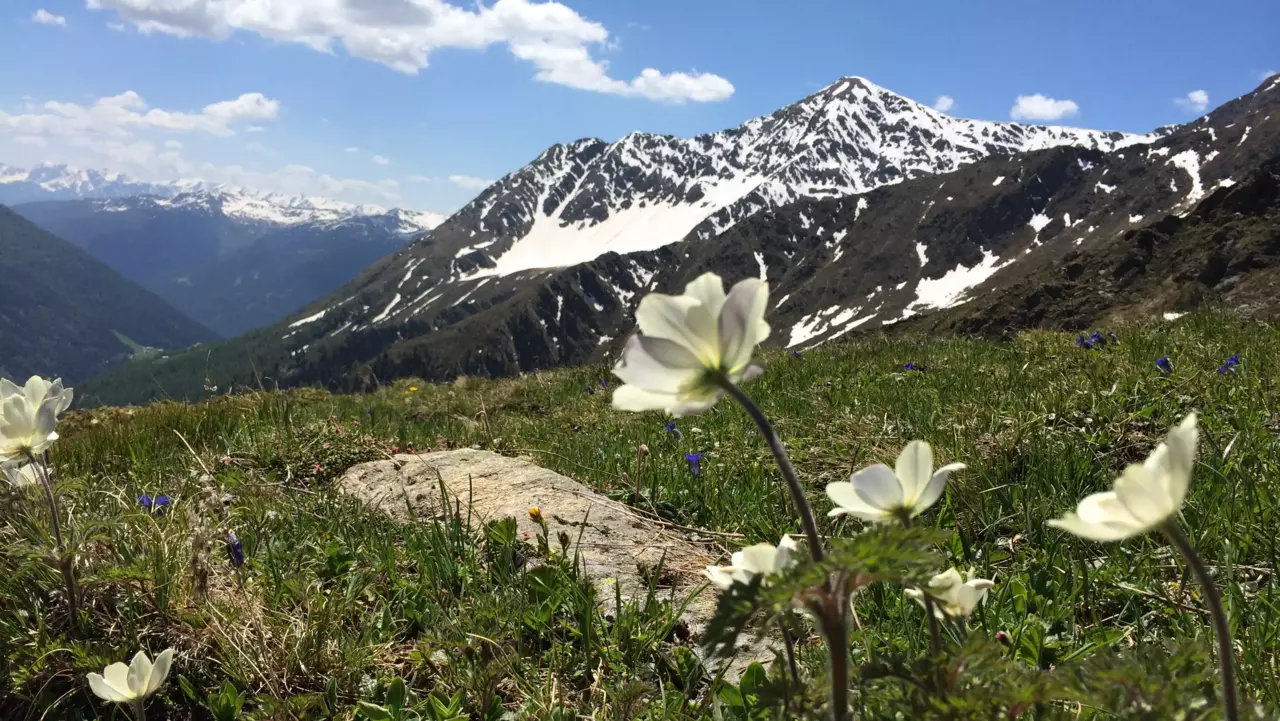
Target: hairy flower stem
x,y
790,644
140,710
832,618
65,564
1221,627
798,498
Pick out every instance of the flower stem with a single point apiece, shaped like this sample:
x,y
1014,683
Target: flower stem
x,y
935,633
789,643
140,709
836,632
798,498
1221,627
65,563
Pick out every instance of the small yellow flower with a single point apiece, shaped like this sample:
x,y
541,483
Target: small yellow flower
x,y
535,514
413,389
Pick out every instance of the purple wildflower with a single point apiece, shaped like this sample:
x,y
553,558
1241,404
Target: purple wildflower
x,y
911,366
675,432
604,382
161,504
1165,365
1081,341
235,549
1229,365
146,502
1097,338
795,353
695,462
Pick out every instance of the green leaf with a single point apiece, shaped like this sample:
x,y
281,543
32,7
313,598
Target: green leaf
x,y
373,712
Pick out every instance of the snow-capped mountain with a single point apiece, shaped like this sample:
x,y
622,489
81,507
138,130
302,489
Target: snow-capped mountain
x,y
46,182
230,258
578,201
861,208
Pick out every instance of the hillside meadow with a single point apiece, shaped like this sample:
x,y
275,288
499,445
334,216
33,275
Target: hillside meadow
x,y
339,612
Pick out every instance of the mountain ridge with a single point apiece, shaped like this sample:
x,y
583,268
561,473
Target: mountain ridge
x,y
923,247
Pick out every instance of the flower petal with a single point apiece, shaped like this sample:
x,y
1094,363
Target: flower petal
x,y
741,324
759,558
720,576
668,316
1144,495
139,673
878,487
9,388
1073,524
160,671
1182,456
914,467
117,676
657,364
708,290
933,491
849,502
104,690
631,398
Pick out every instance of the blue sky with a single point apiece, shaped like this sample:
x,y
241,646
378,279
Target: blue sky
x,y
415,102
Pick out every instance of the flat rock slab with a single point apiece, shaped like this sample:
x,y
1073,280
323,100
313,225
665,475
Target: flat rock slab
x,y
613,544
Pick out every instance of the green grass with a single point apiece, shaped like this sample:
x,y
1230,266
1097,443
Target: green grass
x,y
138,350
336,601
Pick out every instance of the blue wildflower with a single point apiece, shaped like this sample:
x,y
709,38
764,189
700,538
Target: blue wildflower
x,y
146,502
1114,338
675,432
795,353
1081,340
235,549
604,382
911,366
1097,338
1229,366
1165,365
161,504
695,462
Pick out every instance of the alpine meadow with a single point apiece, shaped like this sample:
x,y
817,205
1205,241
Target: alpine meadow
x,y
430,361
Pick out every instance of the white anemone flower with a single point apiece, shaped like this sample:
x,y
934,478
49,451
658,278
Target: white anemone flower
x,y
688,343
762,559
883,495
20,476
1144,497
37,390
953,595
132,684
28,416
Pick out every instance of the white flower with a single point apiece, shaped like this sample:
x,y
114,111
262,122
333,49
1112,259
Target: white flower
x,y
952,594
760,559
879,494
20,475
1144,496
133,683
37,390
687,342
28,416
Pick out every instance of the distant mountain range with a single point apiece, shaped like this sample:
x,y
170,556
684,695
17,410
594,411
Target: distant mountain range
x,y
862,208
63,313
231,259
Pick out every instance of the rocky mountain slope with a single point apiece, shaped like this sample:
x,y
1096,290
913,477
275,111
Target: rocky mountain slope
x,y
62,313
231,259
995,227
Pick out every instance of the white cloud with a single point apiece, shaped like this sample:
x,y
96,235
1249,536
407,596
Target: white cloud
x,y
255,129
470,182
1041,108
119,116
1196,101
259,148
352,149
34,141
402,34
172,145
44,17
118,27
420,179
1265,74
944,103
381,160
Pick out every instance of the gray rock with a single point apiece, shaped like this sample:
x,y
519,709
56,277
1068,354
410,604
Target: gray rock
x,y
611,541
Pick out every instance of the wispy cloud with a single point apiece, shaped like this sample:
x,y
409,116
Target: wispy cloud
x,y
1196,101
554,38
470,182
1042,108
381,160
44,17
944,103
